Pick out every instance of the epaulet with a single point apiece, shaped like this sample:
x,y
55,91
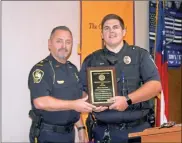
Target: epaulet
x,y
71,64
42,63
98,51
90,56
134,47
139,49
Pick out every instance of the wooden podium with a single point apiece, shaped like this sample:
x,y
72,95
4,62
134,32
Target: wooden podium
x,y
172,134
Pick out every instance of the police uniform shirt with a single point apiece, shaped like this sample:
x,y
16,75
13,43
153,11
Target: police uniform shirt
x,y
138,68
61,81
135,62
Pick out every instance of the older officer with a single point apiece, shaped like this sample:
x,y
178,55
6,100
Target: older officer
x,y
137,82
55,94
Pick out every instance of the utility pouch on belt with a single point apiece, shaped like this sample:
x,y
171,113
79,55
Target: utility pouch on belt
x,y
90,122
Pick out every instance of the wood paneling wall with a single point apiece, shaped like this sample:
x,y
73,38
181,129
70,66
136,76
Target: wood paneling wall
x,y
175,94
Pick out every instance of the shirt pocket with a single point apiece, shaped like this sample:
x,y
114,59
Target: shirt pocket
x,y
66,91
131,70
132,77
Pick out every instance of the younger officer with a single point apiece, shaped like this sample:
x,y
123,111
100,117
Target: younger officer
x,y
134,67
55,94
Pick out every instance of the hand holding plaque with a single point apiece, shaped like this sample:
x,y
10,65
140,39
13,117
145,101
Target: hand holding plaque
x,y
101,85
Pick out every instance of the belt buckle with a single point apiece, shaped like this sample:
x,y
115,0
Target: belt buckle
x,y
54,128
68,128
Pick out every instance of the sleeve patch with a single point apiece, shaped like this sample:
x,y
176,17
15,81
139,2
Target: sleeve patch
x,y
37,75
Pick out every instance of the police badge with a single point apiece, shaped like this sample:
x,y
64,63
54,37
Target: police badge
x,y
127,59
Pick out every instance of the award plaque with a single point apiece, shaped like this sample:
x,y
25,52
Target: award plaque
x,y
101,85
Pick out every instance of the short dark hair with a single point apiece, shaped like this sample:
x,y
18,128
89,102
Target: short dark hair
x,y
60,28
112,16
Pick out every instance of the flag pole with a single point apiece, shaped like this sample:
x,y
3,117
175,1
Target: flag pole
x,y
156,23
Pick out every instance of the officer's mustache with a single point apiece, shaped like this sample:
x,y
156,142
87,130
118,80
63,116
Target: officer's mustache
x,y
112,35
62,49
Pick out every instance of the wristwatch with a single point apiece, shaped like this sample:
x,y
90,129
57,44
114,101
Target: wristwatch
x,y
128,100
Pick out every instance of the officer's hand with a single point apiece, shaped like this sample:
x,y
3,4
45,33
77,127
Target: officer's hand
x,y
80,105
100,109
119,104
82,136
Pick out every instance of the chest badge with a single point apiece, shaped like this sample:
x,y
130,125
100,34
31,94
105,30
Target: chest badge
x,y
127,59
60,81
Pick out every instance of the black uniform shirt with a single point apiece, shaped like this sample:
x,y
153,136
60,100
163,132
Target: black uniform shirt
x,y
146,68
61,81
138,68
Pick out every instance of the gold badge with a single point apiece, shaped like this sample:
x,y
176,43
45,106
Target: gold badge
x,y
60,81
127,60
37,75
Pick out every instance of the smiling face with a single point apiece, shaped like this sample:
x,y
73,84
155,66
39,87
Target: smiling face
x,y
60,45
113,33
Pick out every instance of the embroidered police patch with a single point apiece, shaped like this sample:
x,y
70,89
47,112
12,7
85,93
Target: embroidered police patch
x,y
37,75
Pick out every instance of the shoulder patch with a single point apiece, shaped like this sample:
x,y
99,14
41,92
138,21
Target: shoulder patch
x,y
37,75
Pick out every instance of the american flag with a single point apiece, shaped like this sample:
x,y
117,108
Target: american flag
x,y
173,31
157,26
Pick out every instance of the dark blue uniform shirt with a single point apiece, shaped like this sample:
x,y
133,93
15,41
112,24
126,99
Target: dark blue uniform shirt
x,y
61,81
147,69
138,68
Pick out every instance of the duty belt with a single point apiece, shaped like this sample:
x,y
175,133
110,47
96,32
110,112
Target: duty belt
x,y
122,125
57,128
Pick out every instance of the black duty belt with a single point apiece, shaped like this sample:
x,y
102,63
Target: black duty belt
x,y
57,128
122,125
